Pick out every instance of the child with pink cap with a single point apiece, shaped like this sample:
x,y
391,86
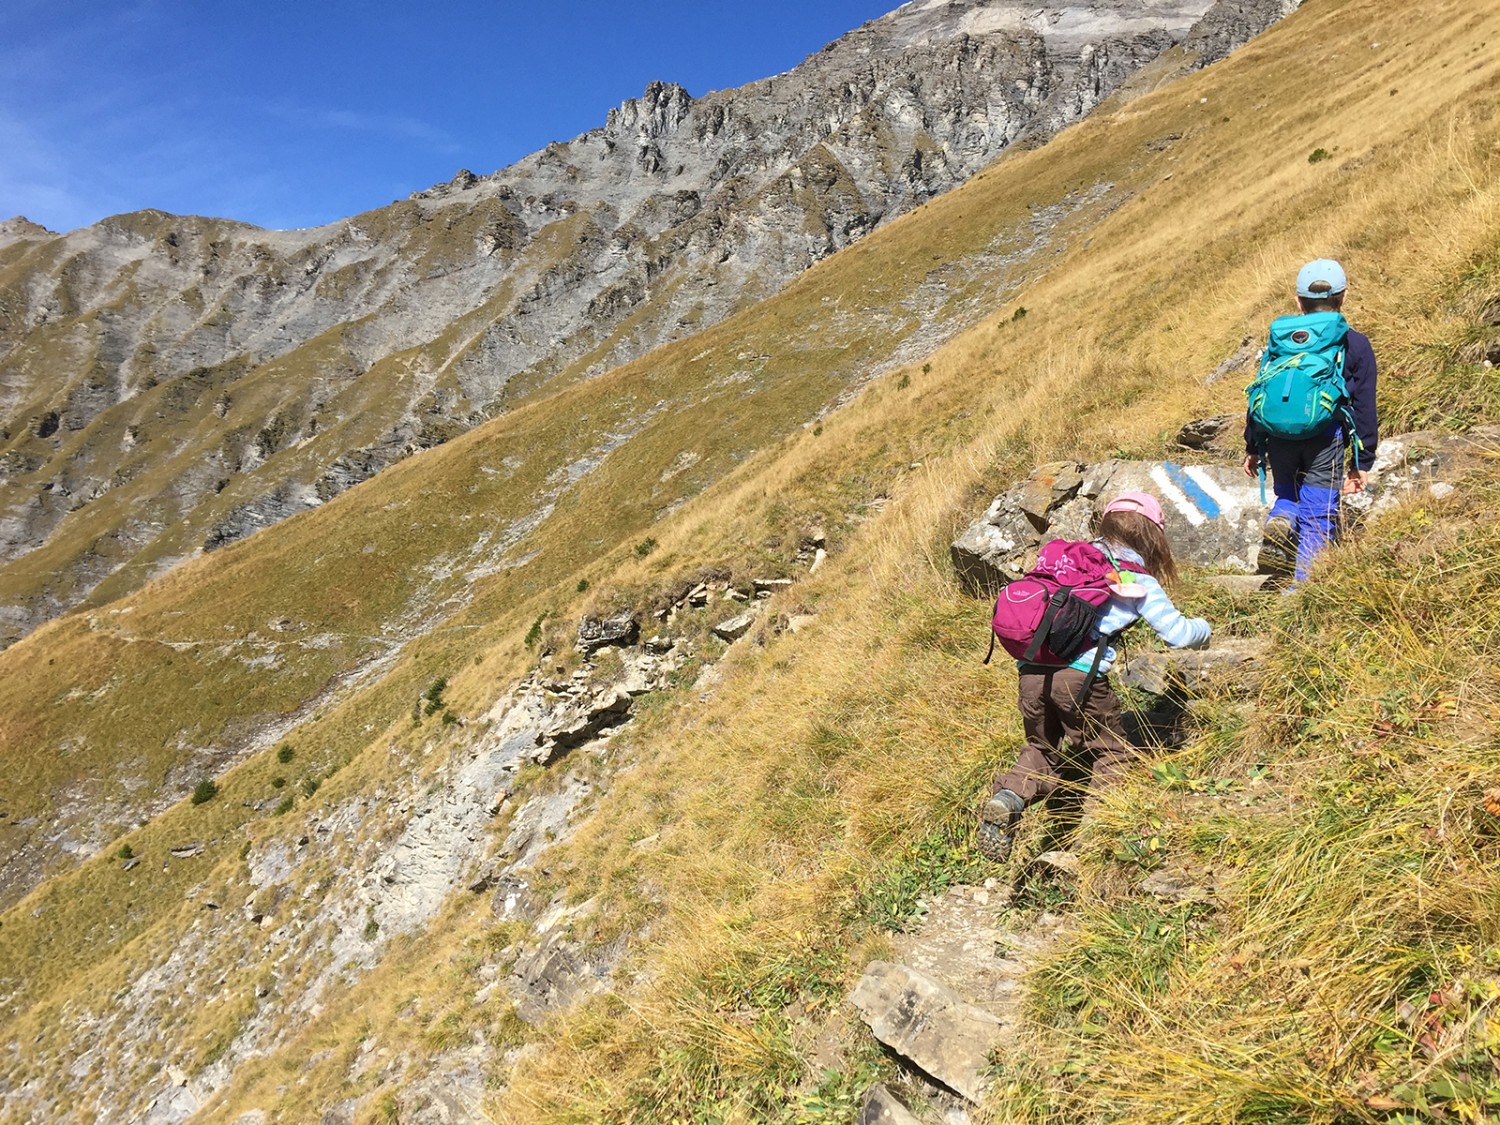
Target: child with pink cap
x,y
1069,702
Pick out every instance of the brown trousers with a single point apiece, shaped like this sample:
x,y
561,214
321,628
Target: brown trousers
x,y
1052,712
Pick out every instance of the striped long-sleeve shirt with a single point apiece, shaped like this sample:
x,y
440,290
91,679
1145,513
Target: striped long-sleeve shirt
x,y
1171,624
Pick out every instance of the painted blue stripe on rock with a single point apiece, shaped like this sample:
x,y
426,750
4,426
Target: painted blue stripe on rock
x,y
1194,491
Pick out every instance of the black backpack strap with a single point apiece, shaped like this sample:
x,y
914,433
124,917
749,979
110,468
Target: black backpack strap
x,y
991,653
1088,681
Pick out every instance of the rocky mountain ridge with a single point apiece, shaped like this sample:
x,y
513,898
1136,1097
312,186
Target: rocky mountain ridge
x,y
210,378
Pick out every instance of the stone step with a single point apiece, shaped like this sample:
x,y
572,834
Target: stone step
x,y
1229,666
929,1024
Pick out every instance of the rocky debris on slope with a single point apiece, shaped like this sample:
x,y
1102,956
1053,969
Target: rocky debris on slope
x,y
324,907
1214,512
1424,463
564,962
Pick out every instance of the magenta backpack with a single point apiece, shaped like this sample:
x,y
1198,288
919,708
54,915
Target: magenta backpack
x,y
1049,616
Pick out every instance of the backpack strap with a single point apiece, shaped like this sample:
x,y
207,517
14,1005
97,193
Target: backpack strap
x,y
1088,681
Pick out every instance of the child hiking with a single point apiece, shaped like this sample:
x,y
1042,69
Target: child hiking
x,y
1313,395
1074,700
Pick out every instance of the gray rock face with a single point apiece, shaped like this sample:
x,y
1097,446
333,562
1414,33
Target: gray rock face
x,y
1424,463
1230,24
621,628
929,1024
305,361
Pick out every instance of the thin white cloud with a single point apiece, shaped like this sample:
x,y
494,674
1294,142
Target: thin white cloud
x,y
379,124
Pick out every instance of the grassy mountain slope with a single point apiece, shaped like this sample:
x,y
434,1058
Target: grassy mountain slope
x,y
834,772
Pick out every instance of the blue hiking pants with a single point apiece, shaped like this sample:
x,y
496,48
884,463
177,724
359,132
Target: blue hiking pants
x,y
1307,475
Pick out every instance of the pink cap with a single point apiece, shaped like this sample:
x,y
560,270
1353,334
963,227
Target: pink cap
x,y
1142,502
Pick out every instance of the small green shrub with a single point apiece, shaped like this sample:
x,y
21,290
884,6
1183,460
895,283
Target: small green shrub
x,y
125,852
645,547
310,786
1019,314
205,790
284,806
285,755
583,585
534,634
1318,155
434,695
449,718
903,382
278,782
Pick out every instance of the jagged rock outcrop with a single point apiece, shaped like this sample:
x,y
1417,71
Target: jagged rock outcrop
x,y
1230,24
214,378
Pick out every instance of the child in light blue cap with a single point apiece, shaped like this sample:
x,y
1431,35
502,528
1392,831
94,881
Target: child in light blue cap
x,y
1309,473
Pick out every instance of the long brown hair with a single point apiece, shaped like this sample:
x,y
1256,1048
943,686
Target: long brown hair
x,y
1141,535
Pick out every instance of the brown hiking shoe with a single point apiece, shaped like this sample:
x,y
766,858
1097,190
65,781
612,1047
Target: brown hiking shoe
x,y
997,825
994,842
1278,547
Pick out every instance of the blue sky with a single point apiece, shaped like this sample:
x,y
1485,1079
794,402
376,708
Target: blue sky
x,y
296,114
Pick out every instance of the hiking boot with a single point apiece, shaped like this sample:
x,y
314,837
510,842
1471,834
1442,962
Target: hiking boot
x,y
1278,546
997,825
994,842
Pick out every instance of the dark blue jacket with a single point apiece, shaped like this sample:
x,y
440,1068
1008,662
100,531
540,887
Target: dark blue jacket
x,y
1359,378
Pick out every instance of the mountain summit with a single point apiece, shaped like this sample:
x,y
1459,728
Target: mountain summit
x,y
173,384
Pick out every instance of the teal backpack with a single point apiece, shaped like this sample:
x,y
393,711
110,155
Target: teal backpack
x,y
1299,388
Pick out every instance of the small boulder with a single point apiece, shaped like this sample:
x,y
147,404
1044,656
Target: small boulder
x,y
735,628
1223,434
1230,665
621,629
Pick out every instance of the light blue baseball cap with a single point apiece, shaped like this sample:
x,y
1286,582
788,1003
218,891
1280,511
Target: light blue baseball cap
x,y
1325,270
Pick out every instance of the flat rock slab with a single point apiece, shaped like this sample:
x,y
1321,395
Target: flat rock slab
x,y
881,1107
735,628
929,1024
1229,666
1181,886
